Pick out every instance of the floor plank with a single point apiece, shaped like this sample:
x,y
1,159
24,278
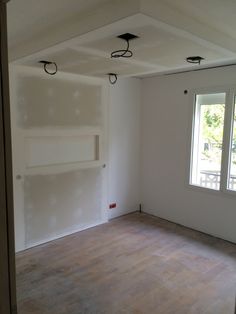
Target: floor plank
x,y
135,264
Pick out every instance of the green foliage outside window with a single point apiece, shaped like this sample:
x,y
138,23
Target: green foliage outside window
x,y
212,132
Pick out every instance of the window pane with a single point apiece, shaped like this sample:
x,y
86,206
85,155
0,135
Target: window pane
x,y
232,172
207,140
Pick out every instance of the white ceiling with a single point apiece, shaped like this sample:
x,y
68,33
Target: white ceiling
x,y
169,31
218,14
28,18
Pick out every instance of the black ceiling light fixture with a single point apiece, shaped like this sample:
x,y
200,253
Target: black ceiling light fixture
x,y
47,68
124,53
195,59
112,78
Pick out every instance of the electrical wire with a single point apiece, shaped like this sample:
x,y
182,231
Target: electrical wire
x,y
46,63
122,53
46,70
195,59
112,78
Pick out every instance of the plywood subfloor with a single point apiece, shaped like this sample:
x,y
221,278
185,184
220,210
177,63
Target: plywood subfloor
x,y
134,264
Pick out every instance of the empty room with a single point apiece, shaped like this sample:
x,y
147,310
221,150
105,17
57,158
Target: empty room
x,y
118,157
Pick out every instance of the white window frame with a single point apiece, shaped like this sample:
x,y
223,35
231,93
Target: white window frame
x,y
230,92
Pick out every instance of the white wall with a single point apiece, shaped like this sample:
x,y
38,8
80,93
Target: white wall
x,y
166,120
60,199
124,146
53,117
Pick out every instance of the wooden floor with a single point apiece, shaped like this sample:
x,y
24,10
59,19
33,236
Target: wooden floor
x,y
134,264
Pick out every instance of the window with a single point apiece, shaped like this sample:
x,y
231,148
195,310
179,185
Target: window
x,y
232,170
213,147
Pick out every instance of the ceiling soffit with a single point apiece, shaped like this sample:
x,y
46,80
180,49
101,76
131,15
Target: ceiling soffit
x,y
36,38
163,45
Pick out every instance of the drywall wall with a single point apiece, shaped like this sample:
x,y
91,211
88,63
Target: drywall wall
x,y
166,119
45,102
124,146
61,204
58,189
55,193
